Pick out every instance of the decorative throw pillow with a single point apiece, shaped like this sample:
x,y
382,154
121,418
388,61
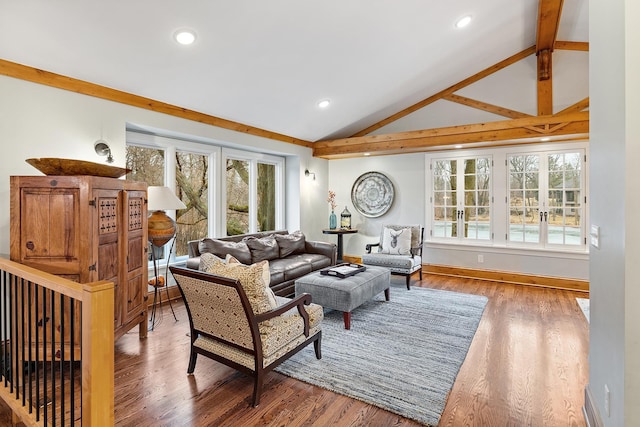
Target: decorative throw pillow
x,y
263,248
221,248
266,278
396,242
251,278
206,261
290,243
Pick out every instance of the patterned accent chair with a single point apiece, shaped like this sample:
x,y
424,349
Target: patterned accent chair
x,y
399,250
228,324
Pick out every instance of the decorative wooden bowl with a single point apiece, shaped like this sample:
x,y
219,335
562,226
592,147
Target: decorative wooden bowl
x,y
68,167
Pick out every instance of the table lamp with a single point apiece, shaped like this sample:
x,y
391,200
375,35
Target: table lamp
x,y
160,228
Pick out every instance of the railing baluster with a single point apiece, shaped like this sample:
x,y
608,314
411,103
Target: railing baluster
x,y
40,363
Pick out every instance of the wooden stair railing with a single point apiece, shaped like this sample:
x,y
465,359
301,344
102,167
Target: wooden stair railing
x,y
45,379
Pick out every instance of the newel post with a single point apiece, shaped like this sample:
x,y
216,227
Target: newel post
x,y
98,354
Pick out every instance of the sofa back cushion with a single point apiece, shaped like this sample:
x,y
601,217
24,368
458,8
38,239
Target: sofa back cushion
x,y
263,248
221,248
293,243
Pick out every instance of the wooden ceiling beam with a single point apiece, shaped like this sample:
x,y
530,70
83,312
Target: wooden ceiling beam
x,y
34,75
422,140
565,45
495,109
549,12
578,106
451,89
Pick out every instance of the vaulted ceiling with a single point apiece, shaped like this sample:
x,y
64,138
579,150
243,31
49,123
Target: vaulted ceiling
x,y
399,75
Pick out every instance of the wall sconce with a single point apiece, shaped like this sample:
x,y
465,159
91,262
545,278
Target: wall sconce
x,y
307,174
102,149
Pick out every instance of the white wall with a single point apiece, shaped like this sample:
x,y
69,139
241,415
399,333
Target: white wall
x,y
40,121
614,349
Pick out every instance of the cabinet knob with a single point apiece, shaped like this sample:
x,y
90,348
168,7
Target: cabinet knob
x,y
30,245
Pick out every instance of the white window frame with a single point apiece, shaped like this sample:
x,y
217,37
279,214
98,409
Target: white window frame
x,y
253,159
500,188
543,188
460,199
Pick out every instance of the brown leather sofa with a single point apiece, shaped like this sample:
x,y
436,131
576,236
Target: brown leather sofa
x,y
290,257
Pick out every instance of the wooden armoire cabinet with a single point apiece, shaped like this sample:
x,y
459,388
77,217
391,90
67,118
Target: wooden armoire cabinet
x,y
86,228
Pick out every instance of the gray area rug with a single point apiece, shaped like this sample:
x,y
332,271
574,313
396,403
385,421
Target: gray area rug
x,y
584,306
402,355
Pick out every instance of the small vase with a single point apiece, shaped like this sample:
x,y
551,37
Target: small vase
x,y
333,221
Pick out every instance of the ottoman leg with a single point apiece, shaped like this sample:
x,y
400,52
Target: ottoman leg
x,y
347,319
386,294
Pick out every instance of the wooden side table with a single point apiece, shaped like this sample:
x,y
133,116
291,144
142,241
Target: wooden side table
x,y
339,232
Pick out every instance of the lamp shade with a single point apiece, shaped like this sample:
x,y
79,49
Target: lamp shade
x,y
162,199
160,227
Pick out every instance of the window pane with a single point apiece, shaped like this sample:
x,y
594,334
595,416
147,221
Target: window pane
x,y
524,201
266,197
565,210
146,164
192,177
237,180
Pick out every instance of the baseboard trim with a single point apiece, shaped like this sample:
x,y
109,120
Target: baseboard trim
x,y
590,411
509,277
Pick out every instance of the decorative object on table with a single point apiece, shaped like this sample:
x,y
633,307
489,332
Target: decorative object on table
x,y
420,363
343,270
372,194
102,149
333,220
161,228
72,167
345,219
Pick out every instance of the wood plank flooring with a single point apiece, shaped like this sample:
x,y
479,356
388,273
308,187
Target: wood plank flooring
x,y
527,366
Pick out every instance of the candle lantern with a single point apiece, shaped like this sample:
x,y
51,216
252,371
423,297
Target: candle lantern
x,y
345,218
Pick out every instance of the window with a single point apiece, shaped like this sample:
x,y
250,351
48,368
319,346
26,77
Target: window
x,y
250,186
545,199
461,198
253,189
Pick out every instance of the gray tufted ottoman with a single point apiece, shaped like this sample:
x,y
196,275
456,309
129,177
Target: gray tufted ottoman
x,y
345,294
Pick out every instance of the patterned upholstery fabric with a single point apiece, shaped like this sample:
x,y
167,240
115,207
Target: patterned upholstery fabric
x,y
284,334
395,263
251,278
207,260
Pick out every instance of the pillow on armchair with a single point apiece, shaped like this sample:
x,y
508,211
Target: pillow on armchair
x,y
253,278
396,241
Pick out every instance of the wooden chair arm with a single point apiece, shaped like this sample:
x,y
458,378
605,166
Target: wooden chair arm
x,y
300,301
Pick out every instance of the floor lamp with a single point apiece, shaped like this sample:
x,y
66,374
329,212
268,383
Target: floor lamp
x,y
161,228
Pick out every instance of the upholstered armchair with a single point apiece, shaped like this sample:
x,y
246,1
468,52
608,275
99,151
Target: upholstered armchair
x,y
237,321
399,250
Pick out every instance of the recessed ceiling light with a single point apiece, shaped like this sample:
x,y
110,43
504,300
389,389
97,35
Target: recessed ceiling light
x,y
185,37
324,103
457,146
463,22
545,139
367,154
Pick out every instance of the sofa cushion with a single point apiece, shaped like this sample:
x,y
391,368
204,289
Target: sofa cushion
x,y
263,248
206,261
396,241
251,278
221,248
293,243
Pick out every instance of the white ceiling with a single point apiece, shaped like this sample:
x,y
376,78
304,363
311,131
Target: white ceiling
x,y
267,63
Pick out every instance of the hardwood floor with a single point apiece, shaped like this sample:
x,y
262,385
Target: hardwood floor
x,y
527,366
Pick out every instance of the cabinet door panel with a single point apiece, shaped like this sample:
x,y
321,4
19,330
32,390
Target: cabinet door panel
x,y
49,225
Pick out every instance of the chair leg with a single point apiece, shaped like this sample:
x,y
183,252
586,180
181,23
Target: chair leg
x,y
192,362
316,346
257,387
408,281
